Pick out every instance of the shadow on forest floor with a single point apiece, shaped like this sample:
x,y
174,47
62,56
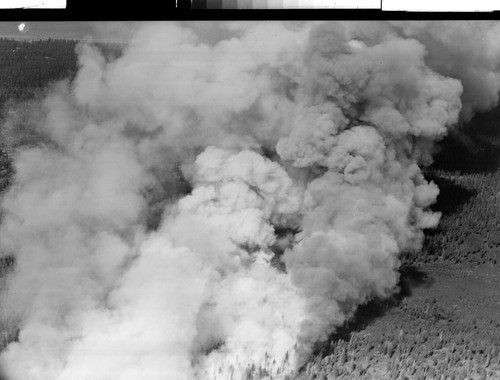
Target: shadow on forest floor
x,y
451,195
473,147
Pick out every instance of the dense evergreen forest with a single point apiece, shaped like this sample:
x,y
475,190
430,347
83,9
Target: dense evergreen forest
x,y
26,66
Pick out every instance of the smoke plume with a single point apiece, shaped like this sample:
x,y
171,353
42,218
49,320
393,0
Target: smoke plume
x,y
219,199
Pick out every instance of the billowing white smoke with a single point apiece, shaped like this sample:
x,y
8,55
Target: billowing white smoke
x,y
466,50
310,129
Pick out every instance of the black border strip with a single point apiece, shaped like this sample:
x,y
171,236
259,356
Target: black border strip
x,y
166,10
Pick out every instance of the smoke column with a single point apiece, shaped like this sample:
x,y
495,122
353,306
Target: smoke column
x,y
210,205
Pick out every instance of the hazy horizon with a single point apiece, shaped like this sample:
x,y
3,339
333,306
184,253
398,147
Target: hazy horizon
x,y
105,31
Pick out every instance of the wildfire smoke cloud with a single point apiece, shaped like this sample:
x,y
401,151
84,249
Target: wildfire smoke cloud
x,y
206,208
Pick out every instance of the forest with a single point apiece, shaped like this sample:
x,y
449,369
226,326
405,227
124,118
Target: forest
x,y
26,67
